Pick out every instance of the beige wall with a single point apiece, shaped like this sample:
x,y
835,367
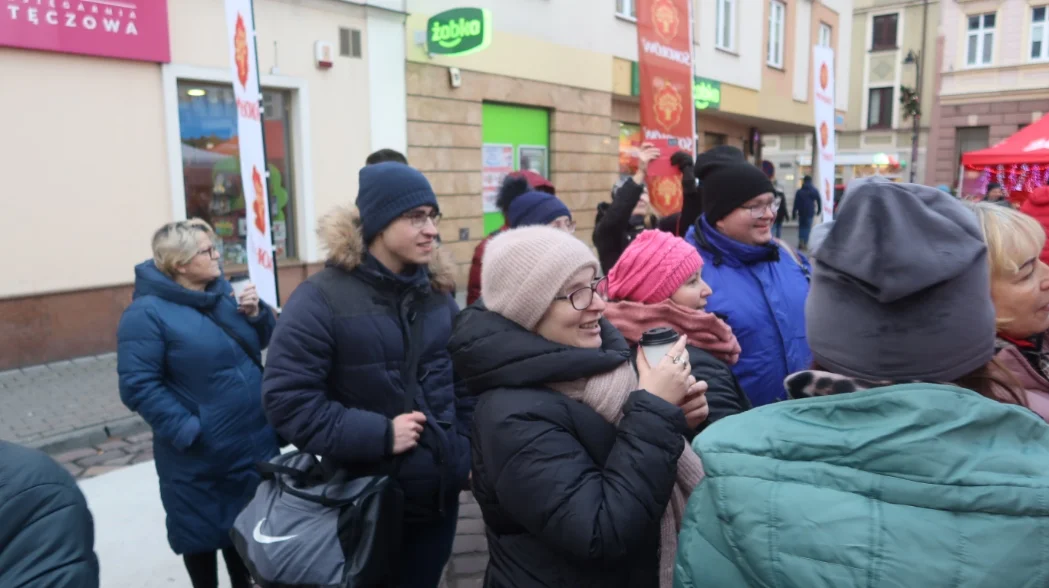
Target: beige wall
x,y
885,68
444,141
84,144
85,170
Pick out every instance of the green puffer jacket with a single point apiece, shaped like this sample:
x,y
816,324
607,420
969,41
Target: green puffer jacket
x,y
909,486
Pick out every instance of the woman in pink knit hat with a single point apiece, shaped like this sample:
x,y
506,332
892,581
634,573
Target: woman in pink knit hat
x,y
658,282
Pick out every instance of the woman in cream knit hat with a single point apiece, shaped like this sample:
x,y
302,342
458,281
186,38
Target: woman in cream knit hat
x,y
580,464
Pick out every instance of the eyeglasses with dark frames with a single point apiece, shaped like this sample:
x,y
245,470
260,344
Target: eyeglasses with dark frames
x,y
418,218
211,252
582,298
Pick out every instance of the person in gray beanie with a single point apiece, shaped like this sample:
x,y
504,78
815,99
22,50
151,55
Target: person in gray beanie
x,y
912,447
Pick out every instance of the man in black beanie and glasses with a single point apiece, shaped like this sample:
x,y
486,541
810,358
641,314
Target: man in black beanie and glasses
x,y
759,283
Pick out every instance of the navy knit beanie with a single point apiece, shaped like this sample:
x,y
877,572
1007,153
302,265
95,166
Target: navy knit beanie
x,y
535,208
388,190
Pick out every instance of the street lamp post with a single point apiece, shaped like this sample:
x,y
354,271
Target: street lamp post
x,y
914,58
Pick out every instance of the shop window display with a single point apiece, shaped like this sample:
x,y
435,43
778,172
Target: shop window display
x,y
211,165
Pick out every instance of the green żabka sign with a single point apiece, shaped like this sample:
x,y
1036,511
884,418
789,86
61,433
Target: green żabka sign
x,y
459,31
706,93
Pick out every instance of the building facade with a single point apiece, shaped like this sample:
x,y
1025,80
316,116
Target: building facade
x,y
784,94
116,147
103,151
993,78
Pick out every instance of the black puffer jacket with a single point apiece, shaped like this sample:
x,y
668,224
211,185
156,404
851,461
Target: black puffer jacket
x,y
567,498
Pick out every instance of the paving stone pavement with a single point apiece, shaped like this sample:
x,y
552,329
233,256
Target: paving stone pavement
x,y
68,401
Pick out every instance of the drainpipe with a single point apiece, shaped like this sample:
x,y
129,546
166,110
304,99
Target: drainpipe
x,y
920,67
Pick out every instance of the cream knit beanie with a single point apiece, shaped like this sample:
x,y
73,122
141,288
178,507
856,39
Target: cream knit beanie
x,y
524,269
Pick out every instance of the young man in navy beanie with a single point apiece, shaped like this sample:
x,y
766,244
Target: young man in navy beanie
x,y
358,369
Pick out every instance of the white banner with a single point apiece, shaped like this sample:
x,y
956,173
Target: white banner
x,y
823,102
241,28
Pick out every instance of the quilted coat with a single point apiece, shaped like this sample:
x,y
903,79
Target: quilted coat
x,y
335,371
202,394
47,534
760,292
909,485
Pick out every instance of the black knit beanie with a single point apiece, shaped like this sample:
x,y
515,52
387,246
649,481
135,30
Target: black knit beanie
x,y
728,181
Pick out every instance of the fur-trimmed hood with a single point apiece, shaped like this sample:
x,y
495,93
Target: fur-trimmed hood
x,y
341,235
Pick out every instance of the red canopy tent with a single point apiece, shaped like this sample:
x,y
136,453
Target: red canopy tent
x,y
1019,163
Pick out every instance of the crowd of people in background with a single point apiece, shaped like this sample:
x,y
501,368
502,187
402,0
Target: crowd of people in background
x,y
873,413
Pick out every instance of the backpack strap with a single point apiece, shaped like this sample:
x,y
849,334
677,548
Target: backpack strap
x,y
797,258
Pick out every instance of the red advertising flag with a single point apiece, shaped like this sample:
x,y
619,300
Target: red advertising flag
x,y
668,116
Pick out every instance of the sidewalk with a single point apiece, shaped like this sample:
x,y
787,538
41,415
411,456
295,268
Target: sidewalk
x,y
65,405
72,410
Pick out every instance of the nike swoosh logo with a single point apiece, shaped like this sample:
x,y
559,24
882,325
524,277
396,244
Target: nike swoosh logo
x,y
266,539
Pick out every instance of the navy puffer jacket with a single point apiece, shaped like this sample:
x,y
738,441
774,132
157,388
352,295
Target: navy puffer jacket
x,y
202,394
335,372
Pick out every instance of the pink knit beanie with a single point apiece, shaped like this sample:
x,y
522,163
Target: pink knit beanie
x,y
652,268
524,269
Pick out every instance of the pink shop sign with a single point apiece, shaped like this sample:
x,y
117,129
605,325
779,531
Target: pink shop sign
x,y
123,29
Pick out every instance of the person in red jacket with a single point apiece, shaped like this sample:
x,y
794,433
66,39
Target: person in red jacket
x,y
535,182
1037,205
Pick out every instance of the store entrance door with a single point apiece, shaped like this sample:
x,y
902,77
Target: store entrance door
x,y
515,138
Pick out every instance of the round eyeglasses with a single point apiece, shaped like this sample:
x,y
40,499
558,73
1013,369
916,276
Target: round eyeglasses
x,y
582,298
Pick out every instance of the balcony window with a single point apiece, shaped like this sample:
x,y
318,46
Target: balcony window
x,y
879,108
883,33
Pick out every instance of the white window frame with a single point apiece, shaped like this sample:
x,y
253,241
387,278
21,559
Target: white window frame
x,y
628,11
726,20
1039,32
777,30
980,34
301,142
826,35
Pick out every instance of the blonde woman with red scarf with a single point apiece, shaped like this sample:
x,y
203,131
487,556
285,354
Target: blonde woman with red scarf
x,y
658,282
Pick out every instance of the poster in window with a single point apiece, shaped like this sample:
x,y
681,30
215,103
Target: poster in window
x,y
532,158
497,160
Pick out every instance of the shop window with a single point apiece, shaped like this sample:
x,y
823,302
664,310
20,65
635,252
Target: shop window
x,y
883,33
1039,33
726,23
970,139
211,165
626,8
714,139
879,108
980,40
826,32
777,25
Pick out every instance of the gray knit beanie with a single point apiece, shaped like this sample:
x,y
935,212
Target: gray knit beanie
x,y
524,269
901,288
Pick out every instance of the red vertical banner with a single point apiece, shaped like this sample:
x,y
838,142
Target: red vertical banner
x,y
668,115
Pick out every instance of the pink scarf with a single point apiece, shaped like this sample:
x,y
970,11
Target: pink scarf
x,y
704,330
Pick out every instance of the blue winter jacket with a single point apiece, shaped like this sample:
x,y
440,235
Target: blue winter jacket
x,y
806,201
760,291
201,393
336,371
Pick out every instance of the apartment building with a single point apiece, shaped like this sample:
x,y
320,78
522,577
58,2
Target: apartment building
x,y
993,78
